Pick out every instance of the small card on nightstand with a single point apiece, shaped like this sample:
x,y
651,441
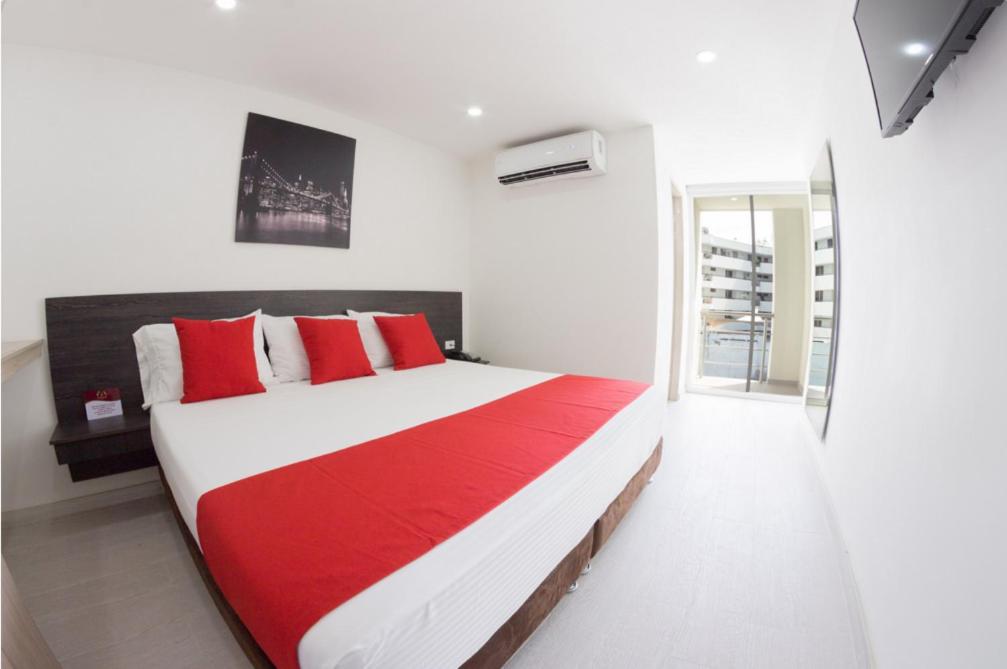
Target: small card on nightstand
x,y
102,403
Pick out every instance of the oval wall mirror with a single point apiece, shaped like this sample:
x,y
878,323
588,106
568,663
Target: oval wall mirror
x,y
825,292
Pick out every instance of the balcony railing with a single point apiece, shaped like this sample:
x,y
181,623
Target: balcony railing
x,y
724,304
824,232
726,283
825,257
825,282
726,336
818,372
724,262
822,310
821,333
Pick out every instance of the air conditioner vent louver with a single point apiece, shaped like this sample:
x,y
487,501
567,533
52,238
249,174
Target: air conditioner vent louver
x,y
579,155
544,172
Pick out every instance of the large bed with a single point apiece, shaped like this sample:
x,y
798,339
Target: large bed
x,y
441,608
470,600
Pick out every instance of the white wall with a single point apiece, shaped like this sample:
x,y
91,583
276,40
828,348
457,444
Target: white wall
x,y
121,177
916,454
664,257
567,276
680,283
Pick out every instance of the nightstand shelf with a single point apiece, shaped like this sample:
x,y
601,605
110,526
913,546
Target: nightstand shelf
x,y
105,446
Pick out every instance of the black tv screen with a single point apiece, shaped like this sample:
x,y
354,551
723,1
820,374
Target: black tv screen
x,y
907,44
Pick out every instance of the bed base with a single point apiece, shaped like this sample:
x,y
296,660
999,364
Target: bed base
x,y
620,506
518,628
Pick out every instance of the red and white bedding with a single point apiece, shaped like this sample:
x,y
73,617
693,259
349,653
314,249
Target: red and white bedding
x,y
428,605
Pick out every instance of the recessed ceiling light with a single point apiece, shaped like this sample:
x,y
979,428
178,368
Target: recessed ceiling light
x,y
706,56
474,111
914,49
226,4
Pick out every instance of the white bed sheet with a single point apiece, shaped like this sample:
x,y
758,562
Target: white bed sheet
x,y
439,609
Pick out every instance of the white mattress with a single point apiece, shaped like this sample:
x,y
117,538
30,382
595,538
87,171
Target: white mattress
x,y
441,608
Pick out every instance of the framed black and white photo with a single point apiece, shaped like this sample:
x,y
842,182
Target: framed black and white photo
x,y
295,185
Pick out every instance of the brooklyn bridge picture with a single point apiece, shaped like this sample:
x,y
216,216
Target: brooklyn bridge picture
x,y
295,185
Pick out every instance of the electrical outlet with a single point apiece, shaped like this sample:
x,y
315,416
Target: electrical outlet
x,y
449,345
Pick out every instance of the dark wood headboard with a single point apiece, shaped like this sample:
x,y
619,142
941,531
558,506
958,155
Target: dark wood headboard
x,y
91,344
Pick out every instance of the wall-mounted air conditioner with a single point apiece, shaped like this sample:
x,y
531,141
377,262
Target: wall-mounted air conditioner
x,y
581,154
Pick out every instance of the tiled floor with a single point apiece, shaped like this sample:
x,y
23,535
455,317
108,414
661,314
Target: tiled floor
x,y
722,385
726,561
115,587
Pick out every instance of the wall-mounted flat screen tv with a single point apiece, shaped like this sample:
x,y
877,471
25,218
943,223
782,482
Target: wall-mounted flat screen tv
x,y
908,44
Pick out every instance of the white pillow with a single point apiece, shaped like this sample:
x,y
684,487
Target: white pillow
x,y
286,350
370,334
160,359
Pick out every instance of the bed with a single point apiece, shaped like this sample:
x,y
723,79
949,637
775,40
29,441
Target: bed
x,y
470,600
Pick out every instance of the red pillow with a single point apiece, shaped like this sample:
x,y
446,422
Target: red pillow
x,y
218,359
410,340
335,350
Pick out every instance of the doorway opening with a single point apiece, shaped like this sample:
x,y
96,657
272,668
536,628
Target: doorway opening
x,y
751,316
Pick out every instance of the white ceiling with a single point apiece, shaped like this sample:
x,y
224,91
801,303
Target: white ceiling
x,y
537,67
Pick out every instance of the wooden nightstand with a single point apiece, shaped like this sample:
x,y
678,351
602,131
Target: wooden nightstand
x,y
105,446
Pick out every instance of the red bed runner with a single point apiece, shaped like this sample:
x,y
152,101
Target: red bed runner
x,y
289,545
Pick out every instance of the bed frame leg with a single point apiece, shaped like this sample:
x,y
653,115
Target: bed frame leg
x,y
587,569
573,587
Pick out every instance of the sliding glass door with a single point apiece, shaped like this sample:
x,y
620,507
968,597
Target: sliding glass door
x,y
738,285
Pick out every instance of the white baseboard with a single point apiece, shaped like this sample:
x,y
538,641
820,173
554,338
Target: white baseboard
x,y
754,395
67,507
855,606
